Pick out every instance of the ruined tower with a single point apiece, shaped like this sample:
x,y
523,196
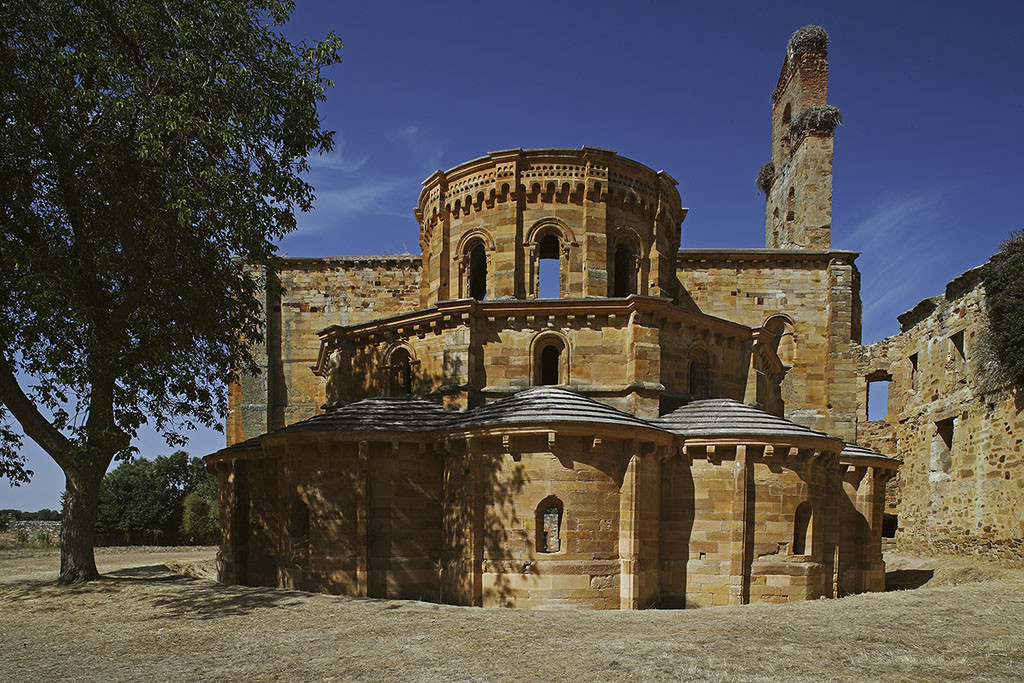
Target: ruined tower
x,y
798,180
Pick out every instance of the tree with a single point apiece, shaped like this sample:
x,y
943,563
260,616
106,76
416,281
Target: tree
x,y
151,150
144,501
1003,277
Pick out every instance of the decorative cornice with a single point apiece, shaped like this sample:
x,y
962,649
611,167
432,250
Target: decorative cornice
x,y
447,314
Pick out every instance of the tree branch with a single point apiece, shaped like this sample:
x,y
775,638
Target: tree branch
x,y
32,421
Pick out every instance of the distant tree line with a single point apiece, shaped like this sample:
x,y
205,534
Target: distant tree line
x,y
44,515
170,500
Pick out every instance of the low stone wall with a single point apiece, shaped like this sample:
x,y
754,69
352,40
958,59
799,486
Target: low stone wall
x,y
1007,552
31,533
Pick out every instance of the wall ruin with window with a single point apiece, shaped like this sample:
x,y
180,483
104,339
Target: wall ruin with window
x,y
959,433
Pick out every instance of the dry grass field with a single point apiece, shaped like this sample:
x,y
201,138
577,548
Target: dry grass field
x,y
143,621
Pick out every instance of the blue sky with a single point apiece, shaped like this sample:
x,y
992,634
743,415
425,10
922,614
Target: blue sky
x,y
928,170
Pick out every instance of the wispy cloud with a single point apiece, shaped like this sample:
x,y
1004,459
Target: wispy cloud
x,y
337,159
903,248
424,146
895,222
337,206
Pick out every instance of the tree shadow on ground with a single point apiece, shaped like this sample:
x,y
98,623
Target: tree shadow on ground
x,y
907,579
167,593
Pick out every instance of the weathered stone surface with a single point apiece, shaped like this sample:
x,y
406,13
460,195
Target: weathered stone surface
x,y
439,472
958,432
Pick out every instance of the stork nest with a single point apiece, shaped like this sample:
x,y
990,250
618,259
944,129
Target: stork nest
x,y
765,177
807,39
820,119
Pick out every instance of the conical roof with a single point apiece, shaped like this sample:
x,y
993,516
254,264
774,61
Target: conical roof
x,y
252,444
549,405
852,450
726,417
384,414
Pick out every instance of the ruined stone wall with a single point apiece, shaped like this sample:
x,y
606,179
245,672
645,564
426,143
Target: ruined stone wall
x,y
959,435
799,200
814,297
312,294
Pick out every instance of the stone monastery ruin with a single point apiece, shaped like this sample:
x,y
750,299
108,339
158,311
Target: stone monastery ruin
x,y
677,428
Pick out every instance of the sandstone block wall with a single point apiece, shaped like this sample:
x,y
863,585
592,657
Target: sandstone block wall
x,y
636,354
313,293
814,297
959,434
590,199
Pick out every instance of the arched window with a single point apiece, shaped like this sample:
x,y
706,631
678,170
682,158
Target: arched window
x,y
477,272
549,525
787,113
791,205
549,361
550,355
802,529
549,276
624,280
399,373
298,526
700,373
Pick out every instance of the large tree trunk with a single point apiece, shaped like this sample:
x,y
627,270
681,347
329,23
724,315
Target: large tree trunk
x,y
78,528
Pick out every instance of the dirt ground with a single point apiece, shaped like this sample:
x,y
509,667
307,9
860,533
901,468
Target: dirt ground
x,y
142,621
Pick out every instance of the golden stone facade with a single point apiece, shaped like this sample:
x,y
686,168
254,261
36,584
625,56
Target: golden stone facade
x,y
555,406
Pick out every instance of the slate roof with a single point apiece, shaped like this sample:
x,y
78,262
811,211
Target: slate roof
x,y
553,405
726,417
548,405
252,444
384,414
852,449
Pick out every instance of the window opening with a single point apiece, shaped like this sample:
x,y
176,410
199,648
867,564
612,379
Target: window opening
x,y
549,267
478,272
879,384
791,205
942,445
400,373
889,525
298,527
700,378
801,529
625,271
956,346
878,400
549,525
550,356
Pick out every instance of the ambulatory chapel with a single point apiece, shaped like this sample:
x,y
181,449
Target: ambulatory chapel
x,y
556,406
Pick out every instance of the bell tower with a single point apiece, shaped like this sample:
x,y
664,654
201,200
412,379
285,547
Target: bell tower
x,y
797,182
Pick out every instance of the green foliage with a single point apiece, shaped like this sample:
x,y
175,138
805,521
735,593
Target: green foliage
x,y
143,501
145,145
1003,277
765,177
808,38
44,515
821,119
200,518
5,520
12,462
152,150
